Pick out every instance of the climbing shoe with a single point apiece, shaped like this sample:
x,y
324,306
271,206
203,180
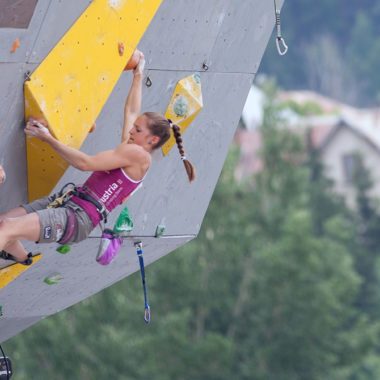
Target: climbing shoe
x,y
7,256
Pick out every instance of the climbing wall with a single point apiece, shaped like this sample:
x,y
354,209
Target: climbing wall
x,y
222,40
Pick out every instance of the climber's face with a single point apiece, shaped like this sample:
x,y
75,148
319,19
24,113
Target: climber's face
x,y
140,133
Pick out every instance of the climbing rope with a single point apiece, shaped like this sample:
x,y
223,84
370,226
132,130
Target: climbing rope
x,y
282,48
141,261
9,370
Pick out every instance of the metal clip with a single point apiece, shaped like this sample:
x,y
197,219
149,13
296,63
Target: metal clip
x,y
27,76
205,66
148,81
147,314
285,46
138,245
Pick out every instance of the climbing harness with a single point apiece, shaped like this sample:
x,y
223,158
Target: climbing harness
x,y
64,197
279,40
5,365
61,201
80,192
138,246
70,228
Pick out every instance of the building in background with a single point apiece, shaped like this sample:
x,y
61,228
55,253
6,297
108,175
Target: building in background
x,y
342,135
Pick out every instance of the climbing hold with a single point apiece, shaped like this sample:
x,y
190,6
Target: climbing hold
x,y
160,230
1,311
124,222
181,106
134,60
184,106
2,175
15,45
53,279
63,249
92,129
121,48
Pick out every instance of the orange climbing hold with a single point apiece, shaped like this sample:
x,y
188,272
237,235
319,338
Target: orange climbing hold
x,y
15,45
92,129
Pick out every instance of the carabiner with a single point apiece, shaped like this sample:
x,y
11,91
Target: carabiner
x,y
278,41
147,314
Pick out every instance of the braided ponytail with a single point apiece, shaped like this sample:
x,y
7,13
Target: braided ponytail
x,y
160,126
188,165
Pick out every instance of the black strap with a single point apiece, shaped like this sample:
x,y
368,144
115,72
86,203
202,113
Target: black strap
x,y
86,197
99,207
7,256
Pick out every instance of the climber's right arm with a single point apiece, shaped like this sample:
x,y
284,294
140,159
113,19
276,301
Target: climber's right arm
x,y
133,103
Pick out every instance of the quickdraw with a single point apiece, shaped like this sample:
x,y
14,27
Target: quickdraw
x,y
279,40
138,246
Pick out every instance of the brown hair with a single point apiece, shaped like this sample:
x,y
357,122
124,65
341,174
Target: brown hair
x,y
160,126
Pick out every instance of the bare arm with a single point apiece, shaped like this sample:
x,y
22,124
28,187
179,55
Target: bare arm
x,y
125,155
133,103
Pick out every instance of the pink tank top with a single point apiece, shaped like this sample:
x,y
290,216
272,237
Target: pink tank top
x,y
110,187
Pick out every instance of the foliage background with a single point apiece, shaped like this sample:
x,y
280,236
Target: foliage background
x,y
334,48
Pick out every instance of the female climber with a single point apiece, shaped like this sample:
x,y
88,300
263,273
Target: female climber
x,y
70,217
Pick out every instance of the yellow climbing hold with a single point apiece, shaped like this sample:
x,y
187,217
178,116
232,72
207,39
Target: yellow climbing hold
x,y
184,106
72,84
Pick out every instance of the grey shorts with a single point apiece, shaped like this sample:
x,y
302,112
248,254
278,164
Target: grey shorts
x,y
53,221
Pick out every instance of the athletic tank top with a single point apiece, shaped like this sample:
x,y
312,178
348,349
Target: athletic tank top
x,y
110,187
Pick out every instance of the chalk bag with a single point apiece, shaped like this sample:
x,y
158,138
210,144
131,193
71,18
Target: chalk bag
x,y
109,246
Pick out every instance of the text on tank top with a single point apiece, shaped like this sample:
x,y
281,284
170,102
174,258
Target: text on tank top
x,y
110,187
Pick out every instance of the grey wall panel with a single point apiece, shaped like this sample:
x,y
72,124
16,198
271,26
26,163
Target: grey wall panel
x,y
12,326
187,31
60,16
12,138
255,18
26,37
82,277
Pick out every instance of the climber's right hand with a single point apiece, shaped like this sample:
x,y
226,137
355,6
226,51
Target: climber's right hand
x,y
139,69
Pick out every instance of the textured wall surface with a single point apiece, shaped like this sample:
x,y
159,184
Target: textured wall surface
x,y
230,37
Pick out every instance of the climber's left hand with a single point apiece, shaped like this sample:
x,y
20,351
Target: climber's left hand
x,y
38,128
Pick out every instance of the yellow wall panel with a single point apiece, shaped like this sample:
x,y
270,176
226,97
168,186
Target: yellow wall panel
x,y
184,106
